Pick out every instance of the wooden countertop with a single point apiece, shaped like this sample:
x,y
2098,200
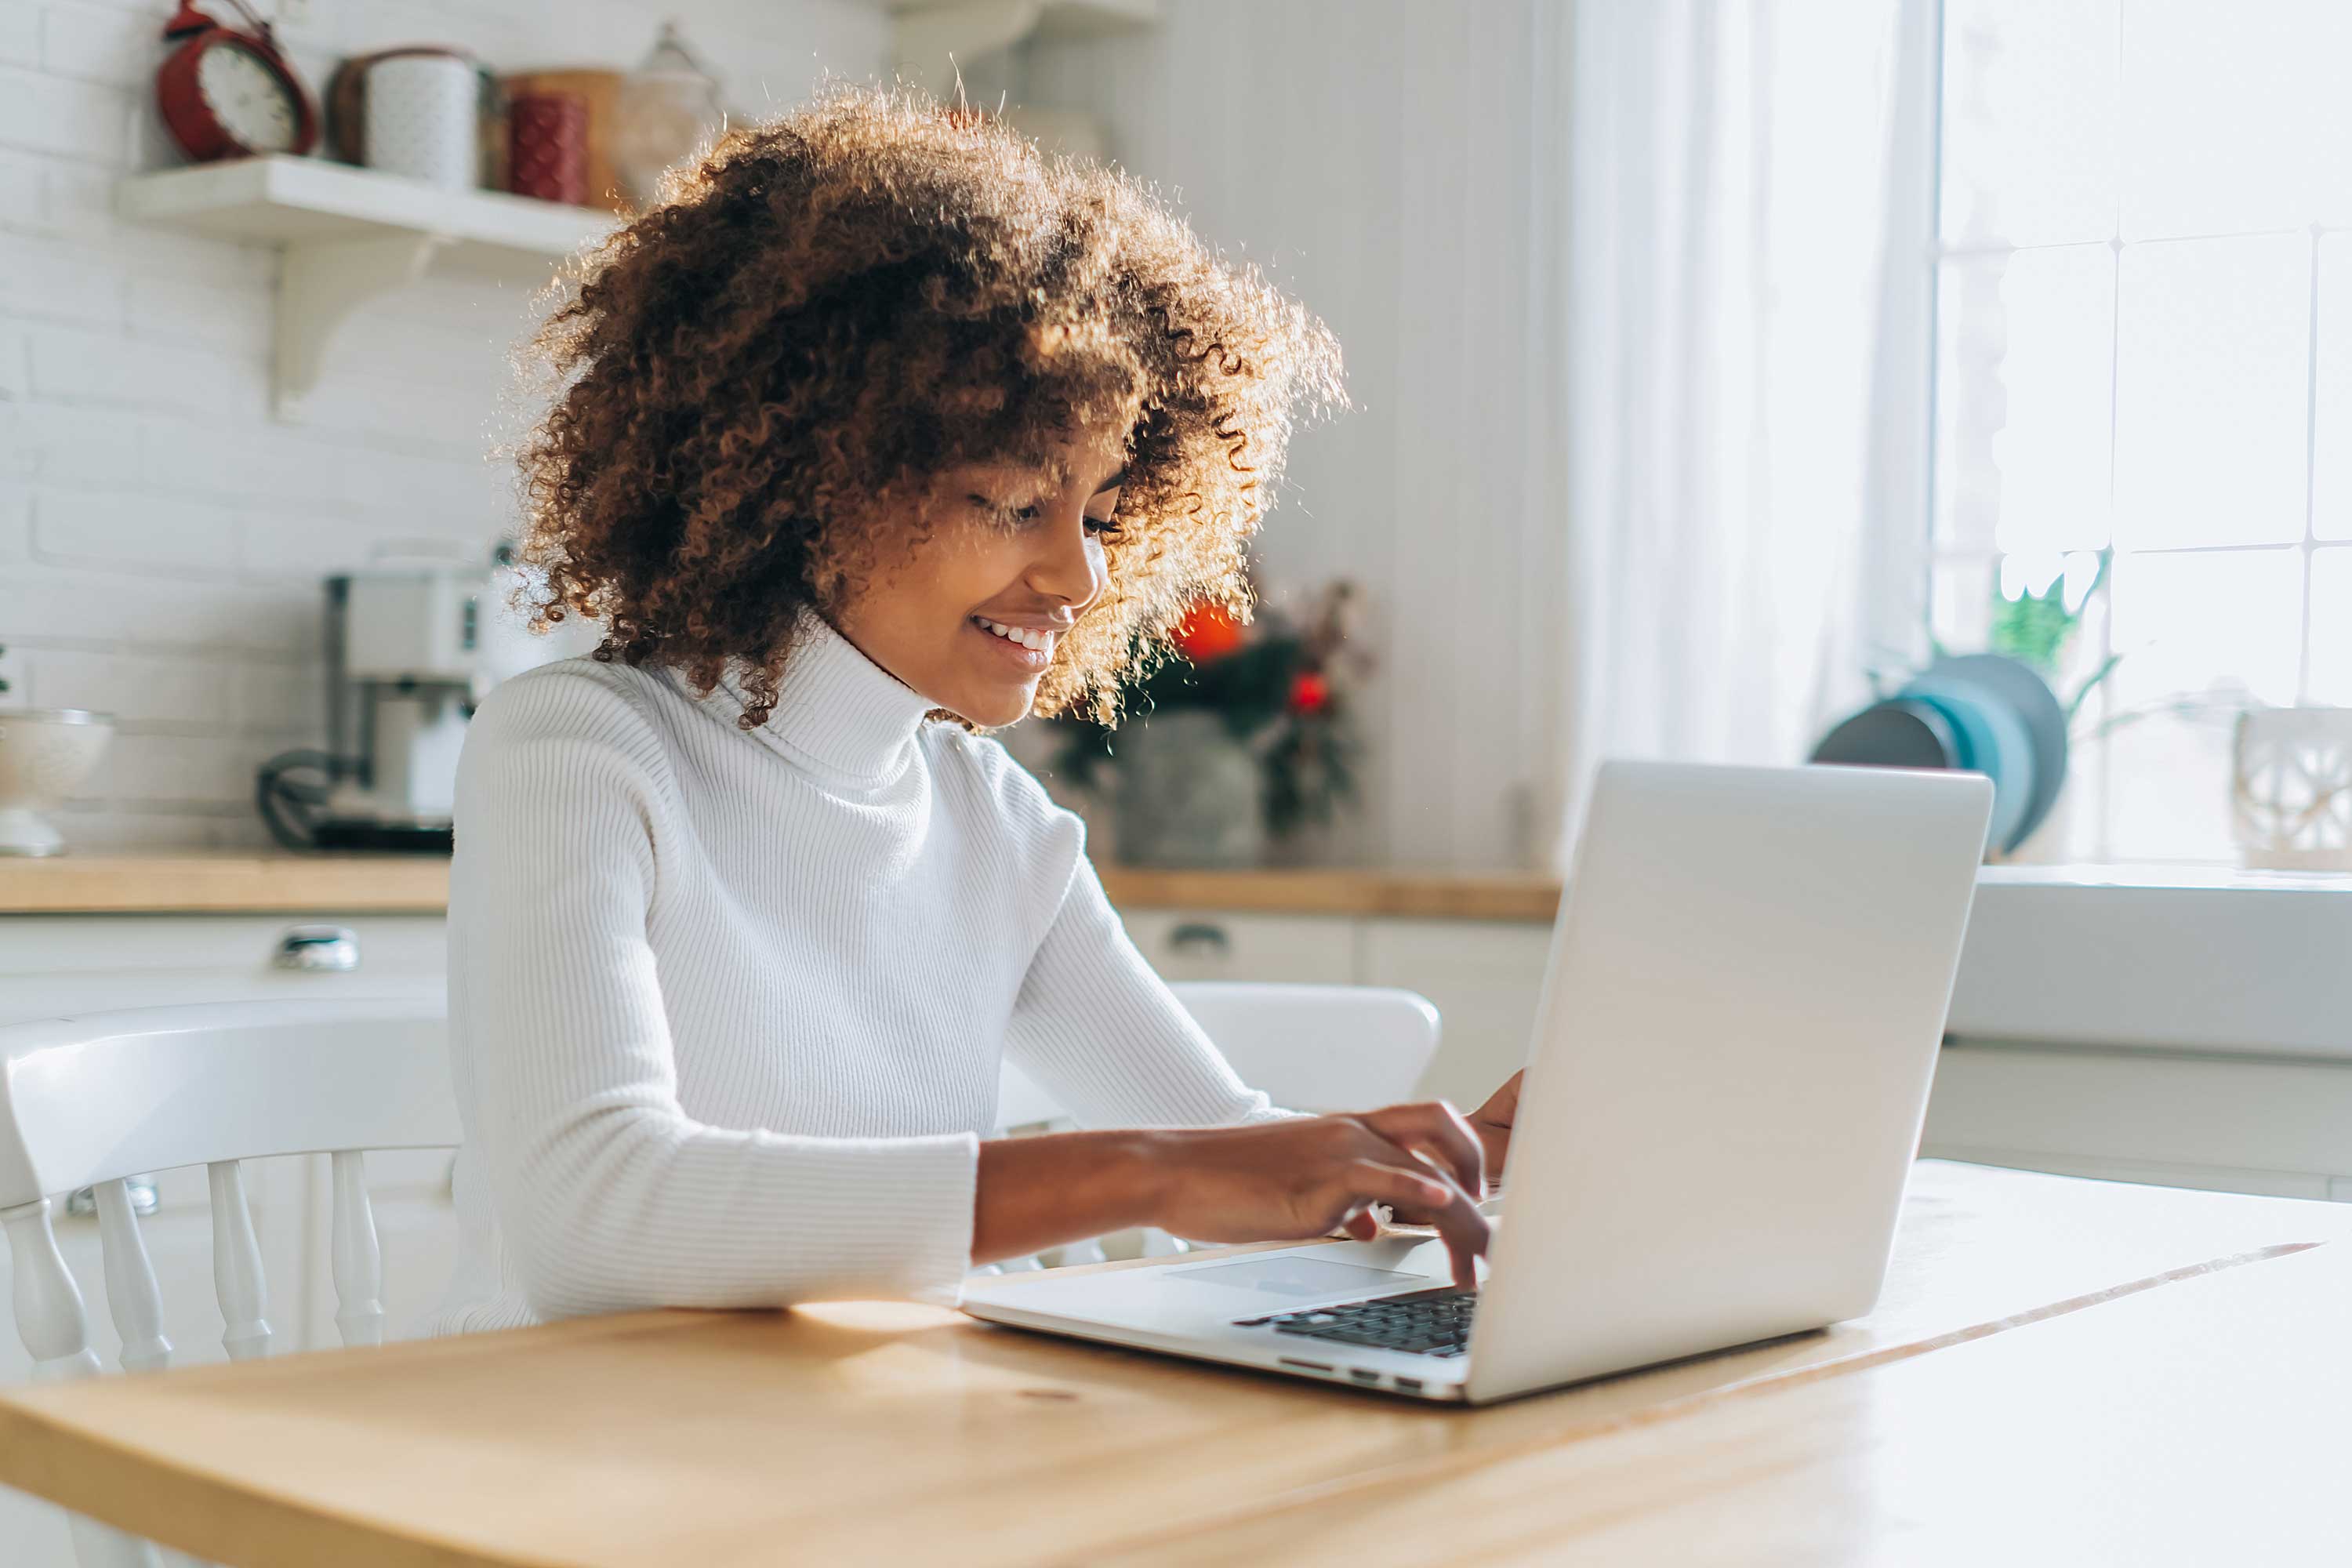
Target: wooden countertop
x,y
2057,1370
196,882
1436,895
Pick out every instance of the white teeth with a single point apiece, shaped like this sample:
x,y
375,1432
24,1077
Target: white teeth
x,y
1034,641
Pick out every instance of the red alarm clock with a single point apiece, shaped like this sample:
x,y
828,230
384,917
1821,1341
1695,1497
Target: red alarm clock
x,y
227,94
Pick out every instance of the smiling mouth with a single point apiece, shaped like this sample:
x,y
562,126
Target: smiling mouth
x,y
1031,645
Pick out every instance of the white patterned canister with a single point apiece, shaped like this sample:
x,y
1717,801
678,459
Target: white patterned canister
x,y
2292,788
423,119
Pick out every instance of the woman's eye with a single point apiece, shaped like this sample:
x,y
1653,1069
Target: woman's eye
x,y
1102,527
1004,509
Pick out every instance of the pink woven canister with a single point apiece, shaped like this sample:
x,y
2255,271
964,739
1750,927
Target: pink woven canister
x,y
547,146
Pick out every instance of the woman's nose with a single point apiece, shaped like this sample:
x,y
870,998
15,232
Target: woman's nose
x,y
1069,562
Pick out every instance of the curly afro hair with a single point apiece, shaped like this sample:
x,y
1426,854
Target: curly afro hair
x,y
752,383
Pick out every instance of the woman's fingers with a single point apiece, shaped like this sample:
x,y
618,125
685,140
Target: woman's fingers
x,y
1436,1133
1463,1230
1375,1181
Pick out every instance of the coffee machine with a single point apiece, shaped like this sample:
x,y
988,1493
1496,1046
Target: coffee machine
x,y
412,644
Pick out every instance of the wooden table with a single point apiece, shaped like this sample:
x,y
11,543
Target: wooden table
x,y
2059,1370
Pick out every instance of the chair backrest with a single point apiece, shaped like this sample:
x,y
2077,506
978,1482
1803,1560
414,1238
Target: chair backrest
x,y
1310,1047
92,1099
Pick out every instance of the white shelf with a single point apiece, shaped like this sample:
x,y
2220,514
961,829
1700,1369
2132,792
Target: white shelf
x,y
350,234
288,201
1053,18
928,35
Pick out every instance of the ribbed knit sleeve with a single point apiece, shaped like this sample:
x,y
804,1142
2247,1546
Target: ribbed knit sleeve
x,y
609,1196
1098,1029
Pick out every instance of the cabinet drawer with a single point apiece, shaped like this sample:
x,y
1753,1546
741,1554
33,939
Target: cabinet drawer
x,y
1215,944
47,946
51,965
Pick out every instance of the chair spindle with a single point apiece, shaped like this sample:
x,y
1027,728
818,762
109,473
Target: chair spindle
x,y
358,1258
48,1303
131,1296
237,1265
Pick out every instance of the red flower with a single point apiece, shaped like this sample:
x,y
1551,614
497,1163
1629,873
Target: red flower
x,y
1311,693
1207,632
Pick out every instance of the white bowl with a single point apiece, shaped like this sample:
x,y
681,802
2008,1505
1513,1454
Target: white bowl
x,y
44,755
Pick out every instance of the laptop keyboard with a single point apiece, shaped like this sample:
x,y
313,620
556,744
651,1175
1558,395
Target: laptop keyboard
x,y
1425,1322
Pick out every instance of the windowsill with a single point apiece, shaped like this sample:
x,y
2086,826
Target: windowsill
x,y
2163,957
2154,875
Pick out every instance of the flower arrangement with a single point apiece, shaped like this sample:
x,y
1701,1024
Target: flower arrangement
x,y
1283,688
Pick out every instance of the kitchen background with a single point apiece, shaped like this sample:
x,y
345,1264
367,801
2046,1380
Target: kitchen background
x,y
166,524
164,535
166,527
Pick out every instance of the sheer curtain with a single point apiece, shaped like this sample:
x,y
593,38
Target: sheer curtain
x,y
1733,206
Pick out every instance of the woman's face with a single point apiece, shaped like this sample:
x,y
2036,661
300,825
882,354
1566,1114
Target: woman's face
x,y
971,619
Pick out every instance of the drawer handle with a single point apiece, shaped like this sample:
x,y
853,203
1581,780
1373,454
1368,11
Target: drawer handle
x,y
1200,935
318,947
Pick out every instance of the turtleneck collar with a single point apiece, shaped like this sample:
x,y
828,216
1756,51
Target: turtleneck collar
x,y
835,707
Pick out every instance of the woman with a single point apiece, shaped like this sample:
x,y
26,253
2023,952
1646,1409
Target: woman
x,y
878,431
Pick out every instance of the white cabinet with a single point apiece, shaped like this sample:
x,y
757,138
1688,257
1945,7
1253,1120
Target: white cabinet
x,y
1484,976
2227,1122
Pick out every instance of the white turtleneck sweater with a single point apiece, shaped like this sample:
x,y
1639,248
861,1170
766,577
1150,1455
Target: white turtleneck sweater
x,y
726,1009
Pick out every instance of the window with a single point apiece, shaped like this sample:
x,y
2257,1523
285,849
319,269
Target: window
x,y
2143,437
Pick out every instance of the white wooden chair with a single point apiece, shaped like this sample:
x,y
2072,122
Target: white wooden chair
x,y
89,1100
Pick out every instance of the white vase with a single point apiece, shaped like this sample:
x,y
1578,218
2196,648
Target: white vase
x,y
1190,795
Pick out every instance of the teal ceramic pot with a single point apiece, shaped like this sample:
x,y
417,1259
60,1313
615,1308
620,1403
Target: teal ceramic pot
x,y
1982,712
1993,741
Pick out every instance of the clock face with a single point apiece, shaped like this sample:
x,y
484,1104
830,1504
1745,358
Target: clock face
x,y
256,110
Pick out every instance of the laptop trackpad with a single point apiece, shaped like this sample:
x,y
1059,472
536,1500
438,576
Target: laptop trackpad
x,y
1296,1276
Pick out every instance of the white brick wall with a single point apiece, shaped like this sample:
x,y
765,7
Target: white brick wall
x,y
162,536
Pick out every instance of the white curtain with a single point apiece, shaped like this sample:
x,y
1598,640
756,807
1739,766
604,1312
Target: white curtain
x,y
1734,206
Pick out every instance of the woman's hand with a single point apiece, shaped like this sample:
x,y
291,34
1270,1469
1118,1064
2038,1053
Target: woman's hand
x,y
1491,1125
1298,1179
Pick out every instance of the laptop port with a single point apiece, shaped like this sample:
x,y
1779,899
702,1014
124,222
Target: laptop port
x,y
1309,1365
1361,1376
1412,1383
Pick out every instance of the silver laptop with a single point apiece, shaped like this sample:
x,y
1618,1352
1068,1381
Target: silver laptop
x,y
1739,1020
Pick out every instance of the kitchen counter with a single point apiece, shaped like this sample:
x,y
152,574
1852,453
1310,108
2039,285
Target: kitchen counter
x,y
194,883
